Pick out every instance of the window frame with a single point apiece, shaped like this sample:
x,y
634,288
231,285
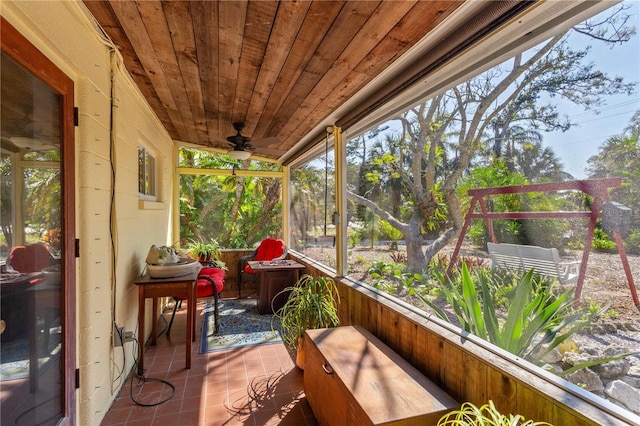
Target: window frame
x,y
150,177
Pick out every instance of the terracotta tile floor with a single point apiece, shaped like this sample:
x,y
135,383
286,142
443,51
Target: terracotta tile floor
x,y
251,386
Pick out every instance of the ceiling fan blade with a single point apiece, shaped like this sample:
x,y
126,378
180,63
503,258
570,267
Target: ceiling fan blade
x,y
222,143
266,141
8,145
270,151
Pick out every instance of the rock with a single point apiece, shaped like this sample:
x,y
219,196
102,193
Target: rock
x,y
634,382
573,358
604,328
552,357
552,368
625,394
587,379
612,369
632,326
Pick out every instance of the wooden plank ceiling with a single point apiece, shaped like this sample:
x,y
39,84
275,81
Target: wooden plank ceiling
x,y
279,67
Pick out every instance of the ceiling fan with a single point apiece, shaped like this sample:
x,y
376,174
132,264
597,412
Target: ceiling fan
x,y
242,147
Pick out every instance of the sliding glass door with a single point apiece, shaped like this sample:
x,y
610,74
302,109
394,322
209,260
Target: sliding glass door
x,y
37,346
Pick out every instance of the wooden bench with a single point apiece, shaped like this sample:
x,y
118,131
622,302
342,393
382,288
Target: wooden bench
x,y
352,378
544,261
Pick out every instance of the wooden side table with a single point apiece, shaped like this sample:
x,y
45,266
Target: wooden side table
x,y
183,287
273,277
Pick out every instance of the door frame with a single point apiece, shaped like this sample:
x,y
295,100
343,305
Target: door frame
x,y
25,53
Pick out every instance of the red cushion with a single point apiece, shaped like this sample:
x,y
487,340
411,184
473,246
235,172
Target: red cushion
x,y
269,249
204,288
31,258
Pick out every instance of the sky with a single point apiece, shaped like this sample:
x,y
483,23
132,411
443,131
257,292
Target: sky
x,y
575,146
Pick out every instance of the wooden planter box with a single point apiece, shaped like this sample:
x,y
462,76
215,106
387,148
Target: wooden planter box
x,y
353,378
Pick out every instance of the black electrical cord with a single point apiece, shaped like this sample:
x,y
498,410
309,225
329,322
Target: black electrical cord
x,y
141,382
166,324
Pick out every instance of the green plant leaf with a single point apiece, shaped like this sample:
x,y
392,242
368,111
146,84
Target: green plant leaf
x,y
473,309
596,362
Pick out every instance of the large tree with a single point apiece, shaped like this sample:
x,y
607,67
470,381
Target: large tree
x,y
440,137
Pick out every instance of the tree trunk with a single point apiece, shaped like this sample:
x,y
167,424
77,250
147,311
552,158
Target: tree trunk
x,y
413,238
415,257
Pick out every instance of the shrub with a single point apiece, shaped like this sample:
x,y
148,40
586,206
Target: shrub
x,y
601,242
398,257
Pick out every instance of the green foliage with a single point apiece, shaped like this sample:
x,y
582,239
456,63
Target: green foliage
x,y
529,321
632,243
360,260
393,278
495,175
204,251
441,263
382,274
601,241
237,211
540,232
486,415
389,232
313,303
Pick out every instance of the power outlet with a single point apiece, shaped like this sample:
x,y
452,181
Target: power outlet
x,y
128,336
118,335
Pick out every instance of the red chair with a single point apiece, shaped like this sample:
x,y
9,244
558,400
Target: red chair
x,y
210,283
269,249
31,258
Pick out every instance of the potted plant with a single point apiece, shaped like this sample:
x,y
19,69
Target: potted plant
x,y
488,414
204,252
312,303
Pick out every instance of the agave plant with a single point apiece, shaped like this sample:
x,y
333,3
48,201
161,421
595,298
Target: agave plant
x,y
533,322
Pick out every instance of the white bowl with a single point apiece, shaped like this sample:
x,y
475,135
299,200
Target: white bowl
x,y
185,267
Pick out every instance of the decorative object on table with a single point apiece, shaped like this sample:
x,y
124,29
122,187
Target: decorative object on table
x,y
313,303
162,255
240,326
164,262
269,249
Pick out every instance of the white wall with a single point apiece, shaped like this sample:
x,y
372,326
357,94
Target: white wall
x,y
62,31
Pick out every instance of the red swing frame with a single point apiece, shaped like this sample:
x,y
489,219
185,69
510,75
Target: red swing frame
x,y
596,188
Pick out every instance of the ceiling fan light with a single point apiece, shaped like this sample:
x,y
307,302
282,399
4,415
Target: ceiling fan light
x,y
239,155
